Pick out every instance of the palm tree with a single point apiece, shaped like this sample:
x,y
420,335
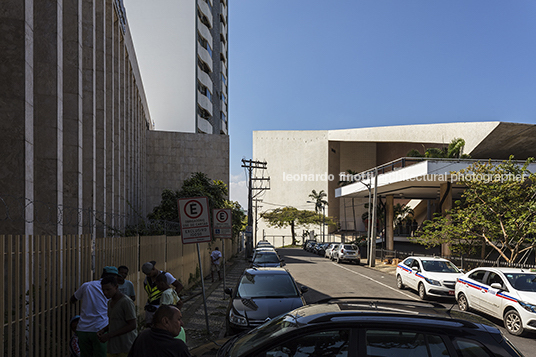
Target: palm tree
x,y
352,174
319,201
453,150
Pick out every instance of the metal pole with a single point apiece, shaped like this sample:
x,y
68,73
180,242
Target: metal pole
x,y
203,287
372,260
323,223
223,260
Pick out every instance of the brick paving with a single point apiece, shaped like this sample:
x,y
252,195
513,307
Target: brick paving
x,y
193,309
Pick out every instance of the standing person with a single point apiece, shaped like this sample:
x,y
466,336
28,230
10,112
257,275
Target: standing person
x,y
215,257
93,315
153,293
170,297
125,286
121,332
160,339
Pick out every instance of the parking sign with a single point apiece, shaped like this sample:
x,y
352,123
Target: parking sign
x,y
195,222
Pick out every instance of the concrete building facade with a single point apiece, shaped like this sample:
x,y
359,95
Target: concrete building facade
x,y
300,161
203,64
78,149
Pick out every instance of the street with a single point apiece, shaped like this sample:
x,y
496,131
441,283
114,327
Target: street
x,y
328,279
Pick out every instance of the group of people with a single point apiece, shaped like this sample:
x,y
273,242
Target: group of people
x,y
107,323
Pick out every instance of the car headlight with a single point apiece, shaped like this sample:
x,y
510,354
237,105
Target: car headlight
x,y
527,306
432,281
237,319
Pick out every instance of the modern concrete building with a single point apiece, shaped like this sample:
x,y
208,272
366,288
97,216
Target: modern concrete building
x,y
203,65
78,149
301,161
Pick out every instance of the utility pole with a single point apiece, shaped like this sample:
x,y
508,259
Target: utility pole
x,y
256,217
250,165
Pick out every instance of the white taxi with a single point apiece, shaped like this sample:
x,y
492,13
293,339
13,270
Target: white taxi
x,y
508,294
430,276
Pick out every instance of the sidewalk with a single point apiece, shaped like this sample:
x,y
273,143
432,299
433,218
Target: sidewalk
x,y
193,310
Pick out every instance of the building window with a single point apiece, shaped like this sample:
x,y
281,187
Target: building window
x,y
223,117
223,98
203,19
204,90
204,44
203,66
222,38
224,80
203,113
222,19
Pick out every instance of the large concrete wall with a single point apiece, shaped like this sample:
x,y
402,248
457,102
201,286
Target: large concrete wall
x,y
73,118
290,154
172,157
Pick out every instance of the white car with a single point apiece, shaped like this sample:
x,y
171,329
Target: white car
x,y
329,250
508,294
430,276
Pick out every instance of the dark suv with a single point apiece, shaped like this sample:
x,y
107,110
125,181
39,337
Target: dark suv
x,y
376,327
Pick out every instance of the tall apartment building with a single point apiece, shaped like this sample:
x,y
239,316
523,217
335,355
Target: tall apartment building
x,y
204,68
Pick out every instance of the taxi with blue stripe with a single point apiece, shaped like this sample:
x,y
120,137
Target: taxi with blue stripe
x,y
430,276
508,294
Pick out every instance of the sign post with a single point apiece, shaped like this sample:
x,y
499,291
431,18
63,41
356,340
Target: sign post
x,y
223,229
195,228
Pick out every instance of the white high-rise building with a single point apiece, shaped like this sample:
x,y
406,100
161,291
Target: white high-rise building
x,y
203,64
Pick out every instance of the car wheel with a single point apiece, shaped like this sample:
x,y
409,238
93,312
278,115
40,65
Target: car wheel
x,y
399,283
463,304
512,322
422,292
358,261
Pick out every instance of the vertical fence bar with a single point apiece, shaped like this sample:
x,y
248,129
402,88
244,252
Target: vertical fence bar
x,y
10,293
2,296
17,303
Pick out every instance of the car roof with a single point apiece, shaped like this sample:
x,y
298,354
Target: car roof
x,y
429,258
266,271
387,310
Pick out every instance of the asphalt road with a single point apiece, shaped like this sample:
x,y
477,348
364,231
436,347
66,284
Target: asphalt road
x,y
328,279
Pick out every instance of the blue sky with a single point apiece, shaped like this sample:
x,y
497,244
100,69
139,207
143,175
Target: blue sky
x,y
317,64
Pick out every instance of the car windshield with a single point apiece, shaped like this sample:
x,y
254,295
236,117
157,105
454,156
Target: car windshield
x,y
266,286
261,258
439,266
269,330
522,281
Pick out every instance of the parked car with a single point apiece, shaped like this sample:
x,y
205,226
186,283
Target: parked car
x,y
261,293
346,253
310,246
430,276
329,249
305,244
369,327
505,293
266,259
320,249
263,243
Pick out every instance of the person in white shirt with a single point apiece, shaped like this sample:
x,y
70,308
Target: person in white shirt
x,y
215,257
93,315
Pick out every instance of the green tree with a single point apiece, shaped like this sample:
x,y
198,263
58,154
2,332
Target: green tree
x,y
497,208
293,218
453,150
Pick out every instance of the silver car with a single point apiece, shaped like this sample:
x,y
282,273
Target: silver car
x,y
346,253
329,250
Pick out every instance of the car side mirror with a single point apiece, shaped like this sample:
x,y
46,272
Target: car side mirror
x,y
414,268
228,291
497,286
304,289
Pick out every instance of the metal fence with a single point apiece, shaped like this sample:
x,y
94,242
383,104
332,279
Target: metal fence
x,y
40,274
460,261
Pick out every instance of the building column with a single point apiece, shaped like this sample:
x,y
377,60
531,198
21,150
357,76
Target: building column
x,y
445,194
389,234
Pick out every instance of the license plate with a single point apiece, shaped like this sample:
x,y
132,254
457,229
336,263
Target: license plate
x,y
451,292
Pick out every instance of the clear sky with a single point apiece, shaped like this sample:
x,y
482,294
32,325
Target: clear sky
x,y
319,64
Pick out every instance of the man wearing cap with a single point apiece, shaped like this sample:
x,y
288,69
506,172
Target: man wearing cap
x,y
153,293
93,315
